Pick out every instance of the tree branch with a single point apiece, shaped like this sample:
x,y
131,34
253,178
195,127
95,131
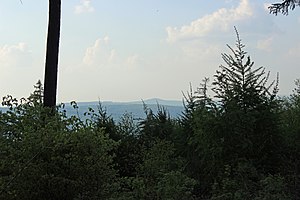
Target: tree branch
x,y
283,7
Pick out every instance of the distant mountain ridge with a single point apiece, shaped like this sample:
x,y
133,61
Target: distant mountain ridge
x,y
152,101
136,108
117,109
161,102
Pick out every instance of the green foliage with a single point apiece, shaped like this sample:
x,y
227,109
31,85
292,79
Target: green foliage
x,y
273,188
248,118
290,129
155,126
160,175
52,157
128,153
236,131
176,185
237,183
239,83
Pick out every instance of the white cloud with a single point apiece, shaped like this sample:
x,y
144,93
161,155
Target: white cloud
x,y
220,20
265,44
84,7
17,63
100,53
133,60
17,55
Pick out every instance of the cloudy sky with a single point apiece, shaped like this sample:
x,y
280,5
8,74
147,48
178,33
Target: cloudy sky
x,y
139,49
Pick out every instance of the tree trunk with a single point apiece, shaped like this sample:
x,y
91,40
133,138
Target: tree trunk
x,y
51,66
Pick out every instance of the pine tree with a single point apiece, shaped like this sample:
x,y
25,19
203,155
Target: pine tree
x,y
240,83
284,7
235,132
249,121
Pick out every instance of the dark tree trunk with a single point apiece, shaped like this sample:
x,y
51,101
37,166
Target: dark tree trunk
x,y
51,66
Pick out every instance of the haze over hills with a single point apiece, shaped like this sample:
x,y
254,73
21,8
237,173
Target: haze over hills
x,y
151,101
136,108
117,109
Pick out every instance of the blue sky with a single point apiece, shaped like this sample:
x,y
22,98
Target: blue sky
x,y
139,49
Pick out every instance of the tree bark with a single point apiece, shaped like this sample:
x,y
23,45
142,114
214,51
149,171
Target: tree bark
x,y
52,51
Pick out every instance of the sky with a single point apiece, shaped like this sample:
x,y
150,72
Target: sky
x,y
114,50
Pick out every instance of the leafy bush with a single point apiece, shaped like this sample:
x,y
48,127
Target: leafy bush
x,y
52,156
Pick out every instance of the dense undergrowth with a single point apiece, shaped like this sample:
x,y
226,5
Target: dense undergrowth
x,y
240,143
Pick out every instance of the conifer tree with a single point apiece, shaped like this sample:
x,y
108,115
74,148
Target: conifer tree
x,y
284,7
240,82
234,132
248,117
